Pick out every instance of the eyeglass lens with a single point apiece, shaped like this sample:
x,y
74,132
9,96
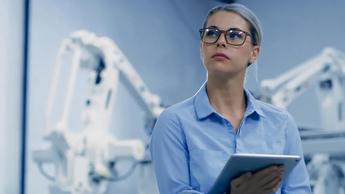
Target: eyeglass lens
x,y
234,37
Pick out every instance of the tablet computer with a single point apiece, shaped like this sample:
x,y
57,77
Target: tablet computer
x,y
241,163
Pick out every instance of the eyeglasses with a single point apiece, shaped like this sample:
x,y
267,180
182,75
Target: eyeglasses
x,y
233,36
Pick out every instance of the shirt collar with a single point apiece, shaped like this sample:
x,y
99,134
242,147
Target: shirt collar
x,y
203,107
253,105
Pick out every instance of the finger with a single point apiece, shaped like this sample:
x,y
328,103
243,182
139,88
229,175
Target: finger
x,y
238,181
269,178
267,171
281,168
271,190
242,178
264,179
273,185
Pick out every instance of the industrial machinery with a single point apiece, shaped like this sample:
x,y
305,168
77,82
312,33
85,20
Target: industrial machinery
x,y
85,161
324,146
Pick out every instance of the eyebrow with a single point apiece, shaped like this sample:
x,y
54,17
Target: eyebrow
x,y
216,27
213,27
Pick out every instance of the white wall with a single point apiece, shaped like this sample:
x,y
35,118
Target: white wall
x,y
10,89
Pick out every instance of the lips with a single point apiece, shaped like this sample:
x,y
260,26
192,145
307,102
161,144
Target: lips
x,y
220,56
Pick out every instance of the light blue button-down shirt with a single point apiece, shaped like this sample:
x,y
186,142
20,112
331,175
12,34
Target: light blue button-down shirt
x,y
191,143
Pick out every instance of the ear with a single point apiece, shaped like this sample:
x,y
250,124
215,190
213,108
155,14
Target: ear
x,y
254,54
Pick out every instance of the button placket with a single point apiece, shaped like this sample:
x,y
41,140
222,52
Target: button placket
x,y
238,136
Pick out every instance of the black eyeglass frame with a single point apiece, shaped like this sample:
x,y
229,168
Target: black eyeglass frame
x,y
202,31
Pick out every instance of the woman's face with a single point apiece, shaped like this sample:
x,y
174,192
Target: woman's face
x,y
221,58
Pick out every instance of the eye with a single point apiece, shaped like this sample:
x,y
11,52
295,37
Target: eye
x,y
235,35
211,33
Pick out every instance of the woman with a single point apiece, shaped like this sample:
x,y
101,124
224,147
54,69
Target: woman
x,y
192,140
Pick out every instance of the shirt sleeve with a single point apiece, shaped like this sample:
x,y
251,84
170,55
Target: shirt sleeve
x,y
170,156
297,182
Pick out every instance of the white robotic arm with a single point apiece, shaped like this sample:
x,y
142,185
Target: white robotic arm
x,y
85,161
326,72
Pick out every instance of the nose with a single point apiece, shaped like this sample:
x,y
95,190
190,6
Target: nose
x,y
221,42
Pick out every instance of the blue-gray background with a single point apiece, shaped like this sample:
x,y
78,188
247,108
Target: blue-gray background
x,y
160,38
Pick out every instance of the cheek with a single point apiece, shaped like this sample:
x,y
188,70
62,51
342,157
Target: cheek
x,y
244,55
203,53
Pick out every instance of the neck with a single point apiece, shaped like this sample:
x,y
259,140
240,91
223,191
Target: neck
x,y
227,96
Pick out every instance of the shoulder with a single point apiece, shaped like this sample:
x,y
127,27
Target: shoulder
x,y
169,125
179,110
277,114
280,117
171,116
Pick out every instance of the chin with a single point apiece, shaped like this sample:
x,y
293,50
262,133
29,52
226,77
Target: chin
x,y
221,68
224,71
221,73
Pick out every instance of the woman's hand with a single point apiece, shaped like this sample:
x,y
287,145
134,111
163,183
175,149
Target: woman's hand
x,y
264,181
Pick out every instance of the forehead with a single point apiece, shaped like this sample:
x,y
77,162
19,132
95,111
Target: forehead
x,y
225,20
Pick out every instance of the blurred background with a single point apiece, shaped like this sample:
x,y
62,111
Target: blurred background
x,y
160,39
